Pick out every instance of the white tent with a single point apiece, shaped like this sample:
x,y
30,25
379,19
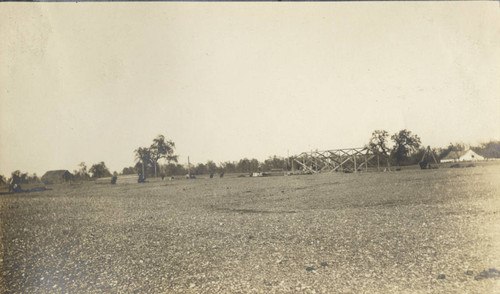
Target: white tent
x,y
468,155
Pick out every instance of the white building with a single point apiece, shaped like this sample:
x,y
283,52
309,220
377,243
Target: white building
x,y
455,156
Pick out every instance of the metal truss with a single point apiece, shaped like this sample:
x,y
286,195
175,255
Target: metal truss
x,y
343,160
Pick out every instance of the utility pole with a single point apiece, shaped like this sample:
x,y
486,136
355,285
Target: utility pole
x,y
287,160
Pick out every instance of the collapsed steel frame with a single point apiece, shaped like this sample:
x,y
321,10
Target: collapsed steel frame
x,y
343,160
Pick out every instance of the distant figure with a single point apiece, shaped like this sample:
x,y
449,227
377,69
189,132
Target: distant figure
x,y
222,175
141,178
15,184
114,178
211,175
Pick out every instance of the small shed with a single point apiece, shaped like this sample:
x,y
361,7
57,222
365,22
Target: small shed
x,y
455,156
57,176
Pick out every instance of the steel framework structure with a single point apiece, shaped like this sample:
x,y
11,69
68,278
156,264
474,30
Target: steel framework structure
x,y
344,160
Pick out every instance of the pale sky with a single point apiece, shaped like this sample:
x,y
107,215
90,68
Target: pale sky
x,y
94,81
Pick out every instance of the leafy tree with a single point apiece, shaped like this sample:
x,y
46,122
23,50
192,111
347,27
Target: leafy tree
x,y
171,169
99,170
254,165
143,158
82,173
24,178
161,149
131,170
228,167
274,162
379,144
405,143
243,166
489,150
211,167
200,169
36,179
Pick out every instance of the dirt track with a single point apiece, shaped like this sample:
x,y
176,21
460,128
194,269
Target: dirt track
x,y
368,232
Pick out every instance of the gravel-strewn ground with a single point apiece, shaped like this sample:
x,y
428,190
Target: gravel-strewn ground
x,y
407,232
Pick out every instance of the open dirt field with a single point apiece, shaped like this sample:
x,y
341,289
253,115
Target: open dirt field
x,y
411,231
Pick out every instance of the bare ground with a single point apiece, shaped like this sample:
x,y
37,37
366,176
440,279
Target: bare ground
x,y
407,232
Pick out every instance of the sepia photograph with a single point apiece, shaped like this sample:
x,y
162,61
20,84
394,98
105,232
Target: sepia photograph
x,y
250,147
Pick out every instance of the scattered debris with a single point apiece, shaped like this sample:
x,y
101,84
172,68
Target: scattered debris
x,y
310,269
442,277
469,273
324,264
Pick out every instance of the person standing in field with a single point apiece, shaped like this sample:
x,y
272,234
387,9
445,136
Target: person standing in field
x,y
15,183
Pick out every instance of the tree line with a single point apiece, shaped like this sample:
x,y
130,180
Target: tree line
x,y
407,148
159,159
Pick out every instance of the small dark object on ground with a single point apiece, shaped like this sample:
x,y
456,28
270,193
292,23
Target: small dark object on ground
x,y
310,269
471,165
398,169
442,277
455,166
491,273
469,273
211,175
324,264
347,172
113,180
221,175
